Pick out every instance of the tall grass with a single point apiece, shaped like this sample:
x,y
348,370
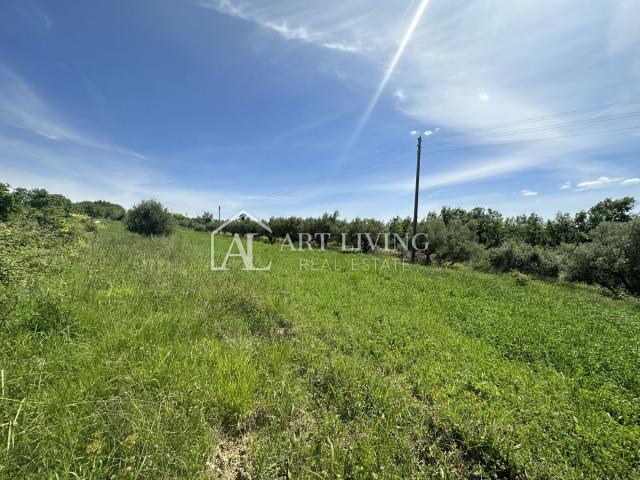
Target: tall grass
x,y
139,362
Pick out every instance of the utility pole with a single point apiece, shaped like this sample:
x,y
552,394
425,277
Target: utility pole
x,y
218,212
415,202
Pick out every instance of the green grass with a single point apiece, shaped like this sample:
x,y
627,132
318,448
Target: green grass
x,y
137,361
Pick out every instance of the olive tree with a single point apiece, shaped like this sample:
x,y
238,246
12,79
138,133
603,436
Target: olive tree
x,y
149,217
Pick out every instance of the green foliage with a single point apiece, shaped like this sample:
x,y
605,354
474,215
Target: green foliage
x,y
37,236
564,229
451,241
610,210
525,258
100,209
611,259
6,202
149,217
520,278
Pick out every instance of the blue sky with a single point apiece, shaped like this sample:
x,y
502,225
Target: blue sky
x,y
301,107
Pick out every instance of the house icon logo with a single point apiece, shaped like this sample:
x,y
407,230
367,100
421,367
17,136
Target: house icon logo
x,y
248,223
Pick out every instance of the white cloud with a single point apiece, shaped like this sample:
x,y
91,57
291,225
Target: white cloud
x,y
84,173
439,69
600,182
567,185
428,133
253,13
631,181
400,95
528,193
286,32
483,97
21,107
465,173
413,133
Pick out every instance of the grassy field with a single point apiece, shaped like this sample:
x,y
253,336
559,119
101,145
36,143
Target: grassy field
x,y
137,361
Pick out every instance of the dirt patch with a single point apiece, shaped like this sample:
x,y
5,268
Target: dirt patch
x,y
230,460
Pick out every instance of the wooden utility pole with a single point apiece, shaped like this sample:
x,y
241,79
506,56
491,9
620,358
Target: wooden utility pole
x,y
218,212
415,202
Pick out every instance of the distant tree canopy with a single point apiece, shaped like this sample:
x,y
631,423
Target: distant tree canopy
x,y
100,209
41,200
149,217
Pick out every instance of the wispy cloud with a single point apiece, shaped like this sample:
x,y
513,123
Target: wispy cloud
x,y
391,67
21,107
84,173
400,95
599,182
566,186
454,57
631,181
46,20
253,13
528,193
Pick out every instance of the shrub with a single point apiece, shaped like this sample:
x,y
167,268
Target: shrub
x,y
525,258
611,260
451,242
520,279
149,217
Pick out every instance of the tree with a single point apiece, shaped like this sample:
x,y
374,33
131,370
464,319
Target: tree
x,y
610,210
149,217
562,229
100,209
487,225
611,259
525,258
6,202
453,242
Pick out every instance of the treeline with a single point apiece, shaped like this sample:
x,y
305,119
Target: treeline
x,y
484,226
600,245
100,209
13,200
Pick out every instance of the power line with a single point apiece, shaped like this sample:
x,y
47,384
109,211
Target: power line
x,y
548,127
559,137
371,164
544,117
344,175
322,179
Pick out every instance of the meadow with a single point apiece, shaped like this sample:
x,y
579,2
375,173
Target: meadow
x,y
134,360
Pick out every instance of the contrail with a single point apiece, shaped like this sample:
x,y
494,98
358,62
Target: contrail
x,y
388,73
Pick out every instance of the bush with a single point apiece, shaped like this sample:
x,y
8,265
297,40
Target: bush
x,y
611,260
525,258
520,279
451,242
149,217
